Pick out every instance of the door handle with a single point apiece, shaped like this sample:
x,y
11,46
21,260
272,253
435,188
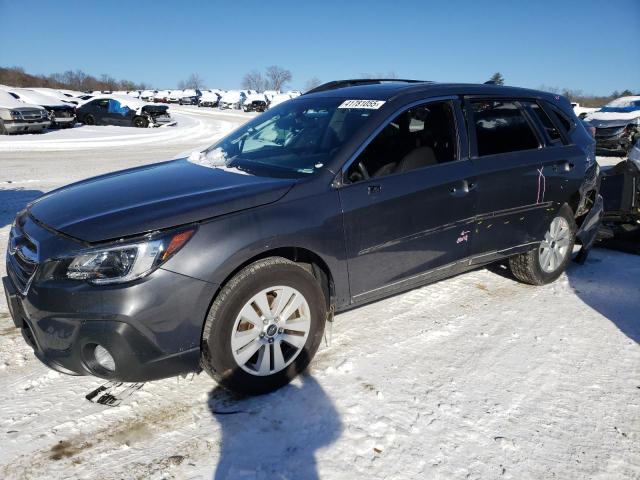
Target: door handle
x,y
563,166
464,188
373,189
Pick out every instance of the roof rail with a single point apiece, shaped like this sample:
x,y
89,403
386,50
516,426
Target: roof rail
x,y
359,81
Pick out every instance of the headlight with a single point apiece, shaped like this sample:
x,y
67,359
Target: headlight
x,y
127,261
15,114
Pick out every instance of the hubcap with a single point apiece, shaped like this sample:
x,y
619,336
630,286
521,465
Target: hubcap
x,y
555,247
270,330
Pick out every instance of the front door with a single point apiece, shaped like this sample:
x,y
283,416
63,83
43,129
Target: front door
x,y
408,201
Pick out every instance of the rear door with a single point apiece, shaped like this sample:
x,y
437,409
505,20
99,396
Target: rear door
x,y
522,162
408,200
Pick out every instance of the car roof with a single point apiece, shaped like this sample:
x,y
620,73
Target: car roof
x,y
389,90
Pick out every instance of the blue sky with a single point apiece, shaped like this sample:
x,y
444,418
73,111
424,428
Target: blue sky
x,y
580,44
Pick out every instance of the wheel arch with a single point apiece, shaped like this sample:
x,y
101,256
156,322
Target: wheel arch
x,y
311,260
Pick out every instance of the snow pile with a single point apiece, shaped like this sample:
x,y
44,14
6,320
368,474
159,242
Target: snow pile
x,y
214,158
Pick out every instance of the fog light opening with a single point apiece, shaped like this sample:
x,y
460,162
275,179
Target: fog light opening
x,y
104,358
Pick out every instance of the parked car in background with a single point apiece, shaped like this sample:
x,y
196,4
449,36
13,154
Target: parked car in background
x,y
581,111
617,125
162,96
148,95
174,96
234,259
278,99
61,114
189,96
255,102
232,99
57,94
20,117
209,99
123,111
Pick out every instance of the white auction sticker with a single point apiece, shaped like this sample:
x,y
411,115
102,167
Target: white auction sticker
x,y
369,104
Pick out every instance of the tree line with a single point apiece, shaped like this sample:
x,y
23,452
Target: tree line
x,y
274,77
71,79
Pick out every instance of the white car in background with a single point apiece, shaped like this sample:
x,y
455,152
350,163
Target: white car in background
x,y
617,125
581,111
61,113
51,92
232,99
20,117
278,99
147,95
209,99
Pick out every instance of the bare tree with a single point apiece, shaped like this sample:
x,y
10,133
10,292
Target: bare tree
x,y
312,83
194,82
277,77
254,81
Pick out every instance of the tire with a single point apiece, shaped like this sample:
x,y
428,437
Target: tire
x,y
89,119
224,324
546,263
3,130
140,122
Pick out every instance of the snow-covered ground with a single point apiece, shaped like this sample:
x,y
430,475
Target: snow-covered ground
x,y
475,377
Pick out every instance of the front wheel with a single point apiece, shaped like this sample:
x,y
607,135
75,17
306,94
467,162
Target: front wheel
x,y
264,327
89,119
547,262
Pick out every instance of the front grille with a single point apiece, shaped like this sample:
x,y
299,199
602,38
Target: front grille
x,y
21,260
31,115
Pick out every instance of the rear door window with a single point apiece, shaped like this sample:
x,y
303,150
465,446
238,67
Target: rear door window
x,y
501,127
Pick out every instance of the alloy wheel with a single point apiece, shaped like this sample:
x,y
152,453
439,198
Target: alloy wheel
x,y
271,330
555,247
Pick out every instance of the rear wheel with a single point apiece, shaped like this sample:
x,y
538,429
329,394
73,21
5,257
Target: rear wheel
x,y
547,262
264,327
140,122
89,119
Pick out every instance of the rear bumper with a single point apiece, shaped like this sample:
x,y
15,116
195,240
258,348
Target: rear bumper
x,y
151,328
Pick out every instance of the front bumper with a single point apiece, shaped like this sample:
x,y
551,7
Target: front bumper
x,y
151,327
22,126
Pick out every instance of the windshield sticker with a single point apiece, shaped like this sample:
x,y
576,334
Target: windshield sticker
x,y
367,104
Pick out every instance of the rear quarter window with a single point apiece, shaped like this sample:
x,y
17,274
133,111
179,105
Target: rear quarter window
x,y
567,123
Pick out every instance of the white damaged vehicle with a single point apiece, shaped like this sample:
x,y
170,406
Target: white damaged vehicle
x,y
20,117
617,125
61,113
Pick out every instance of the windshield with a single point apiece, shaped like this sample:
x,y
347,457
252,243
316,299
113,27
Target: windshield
x,y
295,138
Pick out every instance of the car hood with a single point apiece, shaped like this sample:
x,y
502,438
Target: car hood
x,y
154,197
612,119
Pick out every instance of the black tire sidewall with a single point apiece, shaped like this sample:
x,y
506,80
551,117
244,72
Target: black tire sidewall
x,y
144,121
217,355
89,119
548,277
